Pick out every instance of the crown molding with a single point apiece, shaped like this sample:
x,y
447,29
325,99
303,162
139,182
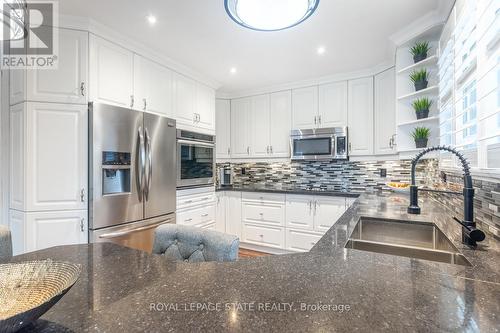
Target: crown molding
x,y
429,22
103,31
307,83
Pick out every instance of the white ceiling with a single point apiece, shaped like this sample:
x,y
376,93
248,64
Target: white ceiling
x,y
199,34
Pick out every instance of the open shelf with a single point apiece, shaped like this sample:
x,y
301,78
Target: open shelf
x,y
418,121
433,90
429,61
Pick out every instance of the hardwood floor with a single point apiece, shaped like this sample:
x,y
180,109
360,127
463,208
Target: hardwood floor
x,y
245,254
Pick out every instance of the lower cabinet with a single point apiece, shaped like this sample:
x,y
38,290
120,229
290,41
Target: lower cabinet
x,y
197,208
220,211
40,230
301,240
263,235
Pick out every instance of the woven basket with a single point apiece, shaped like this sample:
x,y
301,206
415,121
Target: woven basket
x,y
29,289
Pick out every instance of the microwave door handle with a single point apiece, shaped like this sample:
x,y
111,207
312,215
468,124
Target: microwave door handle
x,y
140,163
149,162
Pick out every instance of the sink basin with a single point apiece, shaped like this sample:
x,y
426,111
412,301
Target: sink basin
x,y
403,238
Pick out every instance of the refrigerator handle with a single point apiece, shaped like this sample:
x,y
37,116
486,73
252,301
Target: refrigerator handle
x,y
140,163
149,172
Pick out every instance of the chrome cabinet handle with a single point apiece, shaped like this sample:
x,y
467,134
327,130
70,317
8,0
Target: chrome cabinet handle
x,y
204,215
228,151
350,147
149,159
82,88
132,101
267,148
199,117
82,225
392,141
248,150
141,160
82,195
271,148
188,220
145,104
319,119
315,120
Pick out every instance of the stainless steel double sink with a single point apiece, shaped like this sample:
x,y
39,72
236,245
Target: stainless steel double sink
x,y
405,238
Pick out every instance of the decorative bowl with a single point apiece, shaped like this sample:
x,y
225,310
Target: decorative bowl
x,y
399,187
29,289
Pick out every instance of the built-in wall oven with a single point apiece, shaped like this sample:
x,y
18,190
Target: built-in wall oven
x,y
320,144
195,159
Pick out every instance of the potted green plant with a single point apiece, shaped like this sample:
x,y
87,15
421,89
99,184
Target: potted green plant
x,y
421,107
421,136
419,79
419,51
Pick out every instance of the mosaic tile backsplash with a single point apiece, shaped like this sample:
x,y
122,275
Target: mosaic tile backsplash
x,y
360,177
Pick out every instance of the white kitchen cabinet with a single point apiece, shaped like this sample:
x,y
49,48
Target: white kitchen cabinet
x,y
300,211
263,235
305,108
223,128
298,240
280,123
233,215
67,83
40,230
327,210
111,73
262,212
196,207
385,112
49,164
220,212
152,87
205,107
260,126
360,116
240,127
184,99
333,104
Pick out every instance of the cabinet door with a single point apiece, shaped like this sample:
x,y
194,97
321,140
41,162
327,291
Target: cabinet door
x,y
263,235
360,116
240,127
220,212
305,108
260,126
301,240
223,128
47,229
300,211
56,156
184,99
233,216
205,107
111,73
280,123
333,104
152,87
385,112
67,83
327,212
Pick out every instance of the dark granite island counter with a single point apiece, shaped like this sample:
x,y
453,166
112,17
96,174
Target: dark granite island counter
x,y
328,289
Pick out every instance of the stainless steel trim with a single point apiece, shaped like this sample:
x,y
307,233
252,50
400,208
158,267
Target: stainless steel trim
x,y
140,163
196,143
115,167
148,171
126,232
82,88
132,101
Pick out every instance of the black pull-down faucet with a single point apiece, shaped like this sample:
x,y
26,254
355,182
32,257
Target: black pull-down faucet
x,y
470,234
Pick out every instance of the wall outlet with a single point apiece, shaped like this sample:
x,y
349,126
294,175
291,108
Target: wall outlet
x,y
243,171
383,173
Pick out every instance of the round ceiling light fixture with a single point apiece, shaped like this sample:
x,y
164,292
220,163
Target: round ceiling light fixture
x,y
270,15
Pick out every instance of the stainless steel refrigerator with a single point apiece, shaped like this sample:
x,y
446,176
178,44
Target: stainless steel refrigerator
x,y
132,175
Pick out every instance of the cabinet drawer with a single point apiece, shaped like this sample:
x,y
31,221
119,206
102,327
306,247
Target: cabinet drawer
x,y
301,241
196,215
263,235
264,213
184,201
263,197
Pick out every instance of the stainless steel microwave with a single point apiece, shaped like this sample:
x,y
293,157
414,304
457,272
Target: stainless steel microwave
x,y
320,144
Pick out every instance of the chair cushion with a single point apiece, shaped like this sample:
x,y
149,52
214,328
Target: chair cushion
x,y
191,244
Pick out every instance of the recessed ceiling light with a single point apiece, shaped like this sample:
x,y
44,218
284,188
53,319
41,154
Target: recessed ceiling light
x,y
321,50
265,15
151,19
233,70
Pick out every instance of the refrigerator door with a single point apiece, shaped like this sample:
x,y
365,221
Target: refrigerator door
x,y
117,159
160,171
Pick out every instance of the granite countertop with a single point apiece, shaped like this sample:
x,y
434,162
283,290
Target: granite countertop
x,y
277,188
329,288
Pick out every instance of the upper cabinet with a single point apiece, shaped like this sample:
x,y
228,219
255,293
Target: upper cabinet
x,y
305,108
280,123
152,87
320,107
360,116
223,128
194,104
260,126
66,84
385,113
240,129
333,105
111,73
